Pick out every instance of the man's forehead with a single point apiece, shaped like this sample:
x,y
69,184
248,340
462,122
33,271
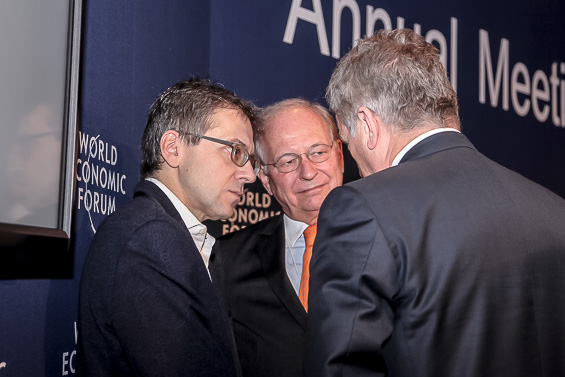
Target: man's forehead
x,y
220,113
284,136
296,121
231,125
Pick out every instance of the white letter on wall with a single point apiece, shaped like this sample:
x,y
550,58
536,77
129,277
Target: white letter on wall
x,y
501,71
336,25
378,14
315,17
454,47
542,94
436,36
519,87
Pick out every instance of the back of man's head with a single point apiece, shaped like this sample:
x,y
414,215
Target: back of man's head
x,y
399,77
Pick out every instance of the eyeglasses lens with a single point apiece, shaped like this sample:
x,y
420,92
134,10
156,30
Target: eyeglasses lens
x,y
239,155
320,153
291,161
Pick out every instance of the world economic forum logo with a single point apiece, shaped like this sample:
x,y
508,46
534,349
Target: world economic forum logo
x,y
98,181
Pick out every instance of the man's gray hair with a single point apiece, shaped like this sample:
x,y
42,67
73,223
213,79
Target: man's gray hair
x,y
399,77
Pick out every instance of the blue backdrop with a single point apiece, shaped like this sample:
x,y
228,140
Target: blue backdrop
x,y
505,59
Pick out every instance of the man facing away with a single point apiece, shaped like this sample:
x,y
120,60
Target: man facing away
x,y
261,267
439,262
148,303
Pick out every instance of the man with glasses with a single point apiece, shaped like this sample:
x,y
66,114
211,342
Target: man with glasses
x,y
148,303
263,268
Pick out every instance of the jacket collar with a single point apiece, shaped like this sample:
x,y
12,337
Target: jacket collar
x,y
437,143
153,192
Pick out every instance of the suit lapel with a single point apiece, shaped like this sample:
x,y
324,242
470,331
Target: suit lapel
x,y
153,192
271,253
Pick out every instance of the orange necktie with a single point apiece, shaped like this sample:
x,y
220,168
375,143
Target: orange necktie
x,y
309,236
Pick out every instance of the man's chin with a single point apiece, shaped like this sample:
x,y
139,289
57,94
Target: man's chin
x,y
231,212
313,205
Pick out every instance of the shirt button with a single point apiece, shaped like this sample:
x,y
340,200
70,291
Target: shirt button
x,y
202,231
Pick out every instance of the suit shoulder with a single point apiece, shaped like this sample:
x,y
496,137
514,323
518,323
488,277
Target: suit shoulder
x,y
139,210
141,214
354,197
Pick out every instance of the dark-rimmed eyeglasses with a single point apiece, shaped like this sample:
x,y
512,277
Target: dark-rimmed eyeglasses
x,y
289,162
239,154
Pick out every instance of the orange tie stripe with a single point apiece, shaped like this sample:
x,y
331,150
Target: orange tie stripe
x,y
309,236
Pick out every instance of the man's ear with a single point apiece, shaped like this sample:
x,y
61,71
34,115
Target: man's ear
x,y
265,180
170,148
370,125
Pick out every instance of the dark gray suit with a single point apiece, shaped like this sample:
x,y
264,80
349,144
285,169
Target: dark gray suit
x,y
268,319
147,305
445,265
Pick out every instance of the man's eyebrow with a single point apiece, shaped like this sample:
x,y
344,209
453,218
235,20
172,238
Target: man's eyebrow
x,y
316,144
296,154
238,141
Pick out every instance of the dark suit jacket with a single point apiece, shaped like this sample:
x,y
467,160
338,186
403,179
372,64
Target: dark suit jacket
x,y
445,265
268,319
147,305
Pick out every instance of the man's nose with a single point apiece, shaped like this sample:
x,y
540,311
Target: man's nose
x,y
307,169
246,173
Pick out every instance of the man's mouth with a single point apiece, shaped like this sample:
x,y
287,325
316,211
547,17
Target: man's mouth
x,y
312,189
239,194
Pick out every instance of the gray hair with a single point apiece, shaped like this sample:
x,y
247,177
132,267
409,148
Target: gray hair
x,y
270,111
399,77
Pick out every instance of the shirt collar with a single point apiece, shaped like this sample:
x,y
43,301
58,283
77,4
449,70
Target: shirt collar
x,y
423,136
293,229
189,219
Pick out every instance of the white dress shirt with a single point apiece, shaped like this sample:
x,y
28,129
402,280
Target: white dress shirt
x,y
295,245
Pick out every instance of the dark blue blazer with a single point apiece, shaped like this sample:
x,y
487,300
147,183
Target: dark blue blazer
x,y
147,305
445,265
268,319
